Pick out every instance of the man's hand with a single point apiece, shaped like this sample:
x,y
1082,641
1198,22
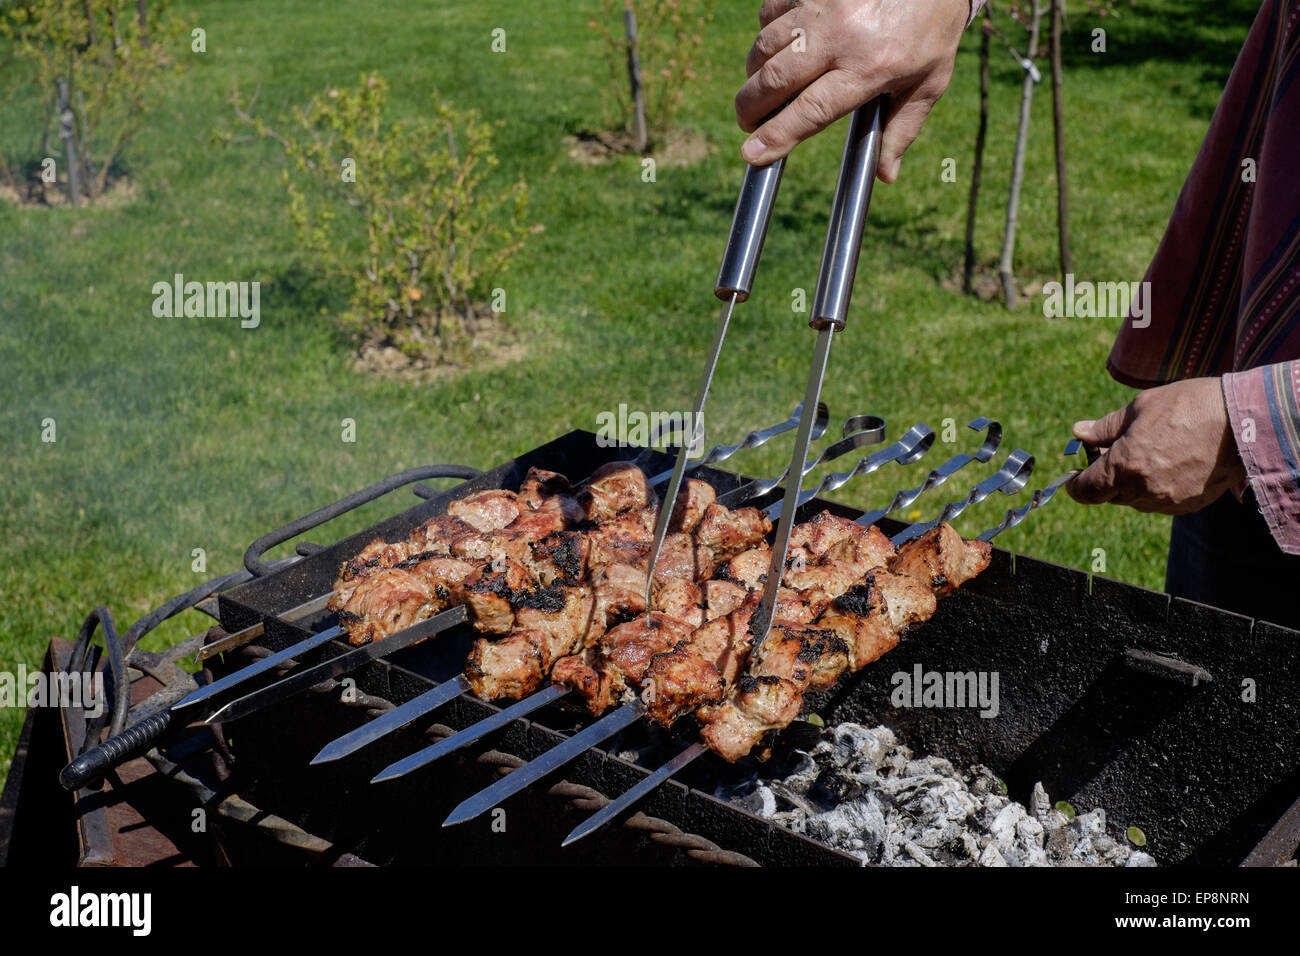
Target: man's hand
x,y
1169,450
831,56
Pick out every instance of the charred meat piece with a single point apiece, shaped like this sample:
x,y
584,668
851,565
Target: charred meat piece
x,y
599,686
432,537
568,616
560,558
693,498
794,658
486,510
749,568
696,672
727,533
868,548
402,596
942,559
540,487
620,589
629,647
491,593
613,489
872,617
682,557
550,624
823,582
619,660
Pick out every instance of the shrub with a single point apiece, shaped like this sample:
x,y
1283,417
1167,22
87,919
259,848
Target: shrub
x,y
111,56
404,211
670,42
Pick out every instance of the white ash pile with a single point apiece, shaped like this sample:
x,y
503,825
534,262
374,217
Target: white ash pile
x,y
861,791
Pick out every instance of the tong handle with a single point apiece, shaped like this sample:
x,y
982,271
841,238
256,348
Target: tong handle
x,y
748,230
848,216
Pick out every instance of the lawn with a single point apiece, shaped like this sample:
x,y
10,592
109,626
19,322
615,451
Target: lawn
x,y
176,434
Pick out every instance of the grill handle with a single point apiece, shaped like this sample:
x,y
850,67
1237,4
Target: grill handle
x,y
748,230
253,556
132,742
848,216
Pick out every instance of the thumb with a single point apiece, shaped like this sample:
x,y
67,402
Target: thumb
x,y
1105,431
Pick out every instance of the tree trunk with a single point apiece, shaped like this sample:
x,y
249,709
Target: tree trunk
x,y
142,17
90,22
1058,122
641,137
69,142
977,169
1018,165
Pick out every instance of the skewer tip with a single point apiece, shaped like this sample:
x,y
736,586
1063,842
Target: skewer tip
x,y
463,813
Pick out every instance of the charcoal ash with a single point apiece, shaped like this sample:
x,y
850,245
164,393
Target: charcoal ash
x,y
860,790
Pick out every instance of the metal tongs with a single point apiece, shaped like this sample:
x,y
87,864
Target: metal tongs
x,y
735,279
830,311
830,307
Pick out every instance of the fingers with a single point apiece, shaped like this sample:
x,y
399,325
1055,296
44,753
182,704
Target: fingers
x,y
1095,485
828,98
1105,431
901,130
776,83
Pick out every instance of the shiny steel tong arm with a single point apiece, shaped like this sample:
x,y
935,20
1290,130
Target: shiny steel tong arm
x,y
839,266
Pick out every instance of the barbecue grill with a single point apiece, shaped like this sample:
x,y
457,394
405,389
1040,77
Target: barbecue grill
x,y
1176,717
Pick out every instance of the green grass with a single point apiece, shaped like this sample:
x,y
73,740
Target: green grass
x,y
182,433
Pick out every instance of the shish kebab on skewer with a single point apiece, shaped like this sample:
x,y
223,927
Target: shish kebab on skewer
x,y
858,431
836,625
532,653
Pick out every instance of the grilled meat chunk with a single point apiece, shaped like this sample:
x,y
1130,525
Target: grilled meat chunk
x,y
721,598
619,660
486,510
560,558
550,623
942,559
512,667
867,548
491,593
823,582
793,659
682,557
749,568
615,488
872,617
681,599
399,598
727,533
816,537
693,499
541,487
432,537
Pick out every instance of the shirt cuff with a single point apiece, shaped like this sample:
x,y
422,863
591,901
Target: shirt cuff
x,y
1264,411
